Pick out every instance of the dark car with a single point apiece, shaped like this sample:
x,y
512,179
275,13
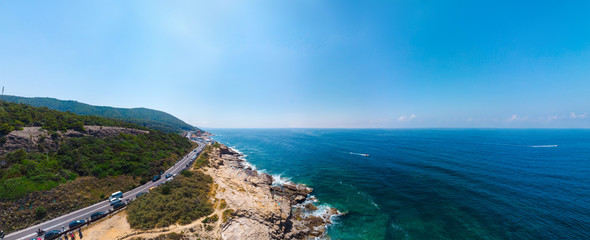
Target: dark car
x,y
156,178
118,205
96,215
76,223
53,234
168,175
139,194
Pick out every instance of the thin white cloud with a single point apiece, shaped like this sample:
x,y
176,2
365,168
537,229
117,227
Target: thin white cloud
x,y
404,118
573,115
513,118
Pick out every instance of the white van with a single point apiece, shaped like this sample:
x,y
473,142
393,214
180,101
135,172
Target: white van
x,y
115,196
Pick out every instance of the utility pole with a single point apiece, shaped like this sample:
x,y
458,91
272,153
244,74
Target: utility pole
x,y
2,98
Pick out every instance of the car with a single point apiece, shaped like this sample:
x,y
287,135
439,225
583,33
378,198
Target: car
x,y
76,223
118,205
53,234
118,200
152,188
96,215
168,175
139,194
115,195
156,178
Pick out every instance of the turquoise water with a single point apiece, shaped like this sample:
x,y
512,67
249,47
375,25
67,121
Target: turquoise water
x,y
435,184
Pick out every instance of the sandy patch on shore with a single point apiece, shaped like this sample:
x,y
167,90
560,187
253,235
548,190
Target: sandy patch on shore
x,y
110,227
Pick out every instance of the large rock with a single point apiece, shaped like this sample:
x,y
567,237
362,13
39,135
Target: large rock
x,y
225,150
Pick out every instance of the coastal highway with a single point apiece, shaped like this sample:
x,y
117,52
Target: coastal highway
x,y
104,206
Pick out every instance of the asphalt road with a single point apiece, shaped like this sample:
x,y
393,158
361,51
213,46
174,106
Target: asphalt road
x,y
104,206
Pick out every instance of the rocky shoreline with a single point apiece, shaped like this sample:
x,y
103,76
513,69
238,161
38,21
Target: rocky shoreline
x,y
263,208
247,204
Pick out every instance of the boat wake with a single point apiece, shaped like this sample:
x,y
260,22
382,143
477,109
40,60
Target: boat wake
x,y
360,154
543,146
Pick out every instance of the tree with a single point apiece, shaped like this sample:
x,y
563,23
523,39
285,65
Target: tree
x,y
5,128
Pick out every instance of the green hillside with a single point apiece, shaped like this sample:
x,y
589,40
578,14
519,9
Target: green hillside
x,y
149,118
66,165
57,158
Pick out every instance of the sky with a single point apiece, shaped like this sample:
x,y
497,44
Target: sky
x,y
309,63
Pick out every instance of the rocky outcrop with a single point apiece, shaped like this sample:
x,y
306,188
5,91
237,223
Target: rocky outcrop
x,y
225,150
263,210
38,139
103,132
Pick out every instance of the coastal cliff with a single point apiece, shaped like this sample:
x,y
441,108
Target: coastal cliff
x,y
247,205
261,209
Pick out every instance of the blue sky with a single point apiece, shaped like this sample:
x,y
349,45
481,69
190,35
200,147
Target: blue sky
x,y
345,64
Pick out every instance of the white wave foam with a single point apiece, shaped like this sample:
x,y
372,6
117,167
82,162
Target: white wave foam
x,y
399,228
237,151
369,199
249,165
543,146
278,180
359,154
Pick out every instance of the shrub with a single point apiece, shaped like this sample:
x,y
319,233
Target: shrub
x,y
166,189
211,219
40,212
223,204
174,236
187,173
227,214
186,202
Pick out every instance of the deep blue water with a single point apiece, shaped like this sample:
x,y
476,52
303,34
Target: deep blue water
x,y
435,184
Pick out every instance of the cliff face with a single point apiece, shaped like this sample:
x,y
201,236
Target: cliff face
x,y
263,210
37,139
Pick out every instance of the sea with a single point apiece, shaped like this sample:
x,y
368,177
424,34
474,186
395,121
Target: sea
x,y
434,183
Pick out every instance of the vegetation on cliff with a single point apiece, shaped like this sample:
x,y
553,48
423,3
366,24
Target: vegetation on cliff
x,y
28,210
136,155
183,200
28,170
65,167
144,117
15,116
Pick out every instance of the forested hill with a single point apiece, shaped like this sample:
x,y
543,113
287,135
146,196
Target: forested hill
x,y
52,154
54,162
149,118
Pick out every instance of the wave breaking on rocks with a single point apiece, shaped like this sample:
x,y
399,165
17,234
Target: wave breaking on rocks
x,y
264,206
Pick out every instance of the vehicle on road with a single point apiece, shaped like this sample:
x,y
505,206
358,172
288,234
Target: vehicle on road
x,y
76,223
118,200
139,194
116,195
118,205
96,215
168,175
156,178
152,188
53,234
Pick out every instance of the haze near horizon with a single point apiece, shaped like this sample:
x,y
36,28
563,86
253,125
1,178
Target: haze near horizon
x,y
319,64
